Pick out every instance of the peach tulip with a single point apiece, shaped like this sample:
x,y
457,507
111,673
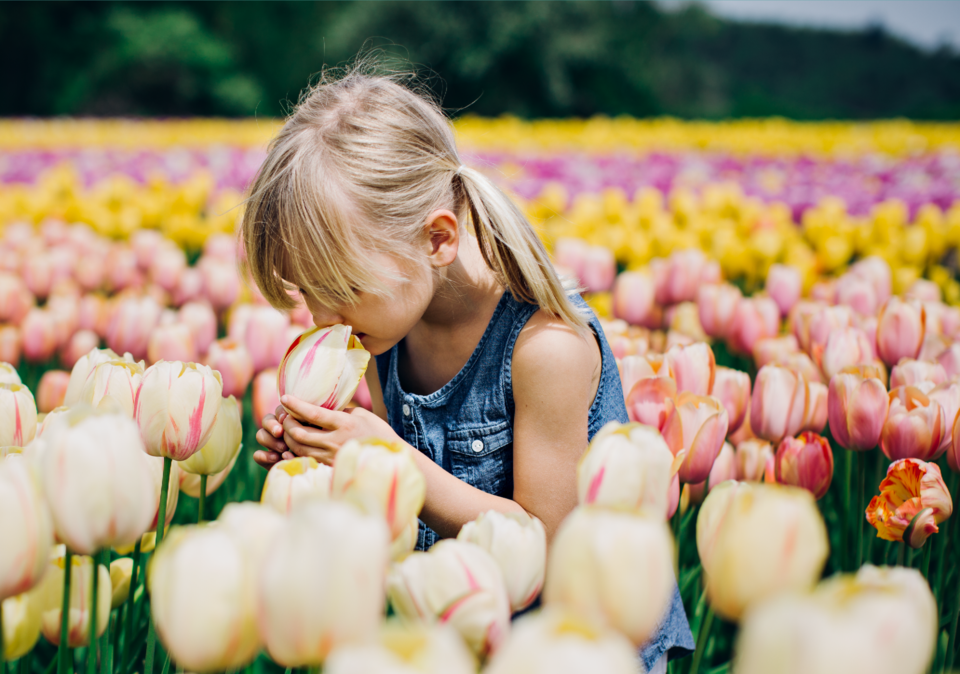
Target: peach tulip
x,y
947,395
933,347
875,270
132,323
845,347
950,359
857,410
910,487
52,388
266,400
858,294
173,342
202,321
780,404
18,415
756,318
266,337
755,461
693,367
39,334
221,285
717,304
223,444
599,269
78,619
900,330
800,318
80,344
683,320
26,528
815,418
323,367
122,269
633,299
145,244
10,344
294,480
695,429
805,461
772,349
784,284
15,299
822,325
915,426
732,389
724,468
232,360
909,372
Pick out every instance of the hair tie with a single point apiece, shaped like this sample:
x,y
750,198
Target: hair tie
x,y
459,168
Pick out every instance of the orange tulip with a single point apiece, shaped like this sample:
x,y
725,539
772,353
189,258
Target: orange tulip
x,y
910,487
805,461
695,429
915,426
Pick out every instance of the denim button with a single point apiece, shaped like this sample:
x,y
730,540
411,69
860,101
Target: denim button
x,y
477,445
406,410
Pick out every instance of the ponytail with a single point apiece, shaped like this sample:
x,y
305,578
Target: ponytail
x,y
512,249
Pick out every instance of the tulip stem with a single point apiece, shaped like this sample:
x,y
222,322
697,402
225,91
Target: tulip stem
x,y
63,649
131,600
860,508
3,645
92,633
203,498
925,564
901,553
106,647
161,523
702,637
952,643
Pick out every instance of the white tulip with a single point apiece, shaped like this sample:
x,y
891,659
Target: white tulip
x,y
323,366
254,526
222,446
293,480
18,415
84,367
405,649
25,528
9,374
403,545
112,386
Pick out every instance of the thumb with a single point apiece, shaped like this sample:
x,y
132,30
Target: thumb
x,y
311,414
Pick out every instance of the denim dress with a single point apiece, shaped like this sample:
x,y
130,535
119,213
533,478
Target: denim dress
x,y
466,427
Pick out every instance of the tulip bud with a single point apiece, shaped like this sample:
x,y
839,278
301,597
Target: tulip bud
x,y
900,330
26,528
823,324
176,407
84,368
857,410
10,344
121,573
678,279
189,287
112,386
81,580
780,403
694,430
756,318
265,397
39,333
518,544
784,285
633,299
266,337
858,294
21,624
909,372
221,285
911,485
693,367
732,389
8,374
626,467
15,299
403,545
18,415
717,305
223,445
712,514
948,397
647,384
612,568
173,342
724,468
950,360
232,360
131,325
845,347
80,344
915,427
294,480
407,648
382,477
805,461
323,367
202,322
755,461
815,418
50,392
772,349
321,583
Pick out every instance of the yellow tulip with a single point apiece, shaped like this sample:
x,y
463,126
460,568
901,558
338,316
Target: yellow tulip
x,y
21,624
51,599
121,572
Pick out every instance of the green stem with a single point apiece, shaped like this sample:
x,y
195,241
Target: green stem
x,y
901,553
203,498
3,645
92,633
118,623
925,565
702,637
25,663
106,647
941,564
676,535
63,650
161,523
845,529
952,643
131,598
862,480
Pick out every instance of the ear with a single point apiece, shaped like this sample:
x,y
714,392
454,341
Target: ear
x,y
442,237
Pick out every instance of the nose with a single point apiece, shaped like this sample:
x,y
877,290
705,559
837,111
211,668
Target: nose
x,y
324,318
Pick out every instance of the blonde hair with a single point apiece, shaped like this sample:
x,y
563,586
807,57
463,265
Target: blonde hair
x,y
358,166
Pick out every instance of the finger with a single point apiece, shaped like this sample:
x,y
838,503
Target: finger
x,y
269,442
312,414
304,435
273,425
265,458
287,456
280,413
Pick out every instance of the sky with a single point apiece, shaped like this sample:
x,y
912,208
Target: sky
x,y
927,23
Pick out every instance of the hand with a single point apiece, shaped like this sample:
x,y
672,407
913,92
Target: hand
x,y
309,430
270,436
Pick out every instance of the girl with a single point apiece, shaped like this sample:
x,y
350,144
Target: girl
x,y
484,363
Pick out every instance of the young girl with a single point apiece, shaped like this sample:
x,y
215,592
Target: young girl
x,y
484,363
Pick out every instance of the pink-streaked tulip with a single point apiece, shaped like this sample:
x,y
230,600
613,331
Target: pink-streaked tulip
x,y
858,294
755,461
857,410
947,395
113,385
817,412
717,304
845,347
221,285
265,397
915,426
877,271
132,323
8,374
772,349
294,480
78,618
756,318
822,325
612,568
304,607
189,287
166,267
649,387
238,320
695,429
805,461
172,342
80,344
678,278
223,444
732,389
190,483
693,367
39,333
784,284
724,468
633,299
176,407
780,403
10,344
15,299
901,327
202,321
266,337
84,368
26,528
52,388
18,415
909,372
323,367
232,360
911,486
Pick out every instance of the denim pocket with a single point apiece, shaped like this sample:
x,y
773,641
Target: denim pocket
x,y
483,457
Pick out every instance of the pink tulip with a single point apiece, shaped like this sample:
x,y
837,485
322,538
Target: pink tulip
x,y
824,291
805,461
755,318
122,269
266,337
815,417
15,299
949,321
571,254
784,285
732,389
37,273
145,244
78,346
237,323
65,313
857,410
679,277
52,388
633,299
724,468
693,367
221,284
823,324
845,347
800,318
950,360
780,403
221,247
265,397
933,346
915,426
901,328
909,372
673,497
695,429
877,272
166,267
648,384
802,364
947,395
172,342
717,305
133,320
92,314
953,449
232,360
599,269
924,290
858,294
755,461
91,270
189,288
202,321
10,344
39,333
771,349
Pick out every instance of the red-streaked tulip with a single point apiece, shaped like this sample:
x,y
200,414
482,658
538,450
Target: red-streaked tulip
x,y
845,347
232,360
805,461
202,321
784,284
755,461
909,372
223,444
772,349
323,367
10,344
221,285
780,403
84,368
265,397
915,426
911,486
900,330
294,480
8,374
518,544
694,367
633,299
266,337
50,391
113,385
695,429
78,620
321,583
724,468
732,389
26,528
173,342
176,407
717,304
612,568
815,418
15,299
131,325
626,467
38,331
18,415
857,410
80,344
756,318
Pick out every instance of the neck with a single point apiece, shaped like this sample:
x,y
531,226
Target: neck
x,y
467,290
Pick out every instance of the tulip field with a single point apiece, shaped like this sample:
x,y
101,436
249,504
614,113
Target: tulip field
x,y
783,300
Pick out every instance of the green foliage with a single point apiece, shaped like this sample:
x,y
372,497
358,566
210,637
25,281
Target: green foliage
x,y
533,59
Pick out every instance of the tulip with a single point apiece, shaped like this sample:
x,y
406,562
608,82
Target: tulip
x,y
780,403
556,641
232,360
845,347
800,318
756,318
612,568
683,324
755,461
51,599
857,410
189,287
877,272
50,392
84,368
265,397
732,389
815,418
223,444
633,299
947,395
221,285
294,480
8,374
772,349
176,407
254,526
900,330
518,544
693,367
202,600
915,426
679,277
910,487
321,583
807,462
121,573
97,481
771,540
858,294
724,468
909,372
238,321
266,337
145,244
403,545
113,385
10,344
323,367
21,625
15,299
202,321
26,528
626,467
599,269
648,385
37,273
172,342
18,415
93,314
64,313
924,290
405,649
361,397
220,247
166,267
717,305
39,333
712,515
81,343
190,483
784,285
950,359
694,430
801,364
131,325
